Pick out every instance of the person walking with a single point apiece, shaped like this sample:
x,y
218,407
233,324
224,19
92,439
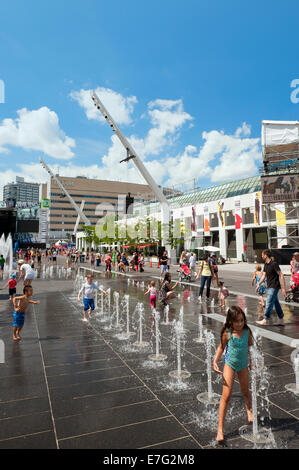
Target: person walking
x,y
192,261
256,277
206,275
164,267
26,270
215,268
275,281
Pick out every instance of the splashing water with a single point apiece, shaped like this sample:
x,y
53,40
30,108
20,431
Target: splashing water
x,y
200,338
294,387
209,397
157,356
139,312
259,383
179,336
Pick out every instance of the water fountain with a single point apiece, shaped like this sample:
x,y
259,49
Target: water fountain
x,y
179,335
6,249
166,316
209,397
117,324
157,356
294,387
199,338
109,300
254,433
140,314
125,303
181,319
102,301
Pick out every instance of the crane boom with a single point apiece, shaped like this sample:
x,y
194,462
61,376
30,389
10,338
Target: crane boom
x,y
78,210
130,151
131,154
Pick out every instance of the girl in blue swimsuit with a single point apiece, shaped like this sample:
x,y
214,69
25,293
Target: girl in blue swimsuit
x,y
236,338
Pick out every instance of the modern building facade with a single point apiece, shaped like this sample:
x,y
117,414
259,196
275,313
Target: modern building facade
x,y
21,191
99,197
230,216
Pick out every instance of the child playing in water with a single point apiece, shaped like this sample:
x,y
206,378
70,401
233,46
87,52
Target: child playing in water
x,y
11,284
256,277
152,291
121,267
88,289
166,290
20,305
223,293
236,338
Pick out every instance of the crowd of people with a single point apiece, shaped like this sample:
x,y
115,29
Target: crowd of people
x,y
235,338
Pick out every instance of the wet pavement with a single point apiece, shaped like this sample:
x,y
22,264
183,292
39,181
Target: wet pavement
x,y
70,384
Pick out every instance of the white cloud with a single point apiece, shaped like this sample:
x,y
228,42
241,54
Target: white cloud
x,y
222,157
36,130
120,107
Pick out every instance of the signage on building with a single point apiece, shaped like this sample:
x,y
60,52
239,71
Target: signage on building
x,y
257,208
11,202
45,203
193,220
280,214
43,225
206,224
26,205
238,213
221,213
280,188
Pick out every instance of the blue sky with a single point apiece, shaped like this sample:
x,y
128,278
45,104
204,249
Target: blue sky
x,y
189,82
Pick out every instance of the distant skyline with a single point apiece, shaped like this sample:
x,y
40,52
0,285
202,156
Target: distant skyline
x,y
188,83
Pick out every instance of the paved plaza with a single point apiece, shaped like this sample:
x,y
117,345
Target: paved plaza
x,y
74,385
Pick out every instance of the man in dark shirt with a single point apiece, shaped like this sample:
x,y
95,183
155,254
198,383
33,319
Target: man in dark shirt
x,y
164,264
274,278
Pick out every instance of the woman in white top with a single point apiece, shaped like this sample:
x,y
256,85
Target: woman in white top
x,y
26,271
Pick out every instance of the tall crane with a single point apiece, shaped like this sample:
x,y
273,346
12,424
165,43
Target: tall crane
x,y
131,154
77,209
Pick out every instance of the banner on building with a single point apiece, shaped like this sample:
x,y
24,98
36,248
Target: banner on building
x,y
257,208
193,219
45,203
221,213
280,188
238,213
43,226
206,225
280,214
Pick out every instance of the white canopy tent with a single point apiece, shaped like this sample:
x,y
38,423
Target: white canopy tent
x,y
211,248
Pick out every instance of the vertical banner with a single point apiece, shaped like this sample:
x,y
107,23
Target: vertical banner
x,y
43,226
238,213
221,213
193,219
257,209
280,214
206,226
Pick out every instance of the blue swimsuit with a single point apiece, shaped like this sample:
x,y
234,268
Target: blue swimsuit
x,y
262,288
236,355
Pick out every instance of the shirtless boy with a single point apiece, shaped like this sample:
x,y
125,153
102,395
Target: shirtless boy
x,y
20,306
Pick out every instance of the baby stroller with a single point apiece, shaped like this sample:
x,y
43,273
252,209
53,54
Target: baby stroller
x,y
293,293
184,273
